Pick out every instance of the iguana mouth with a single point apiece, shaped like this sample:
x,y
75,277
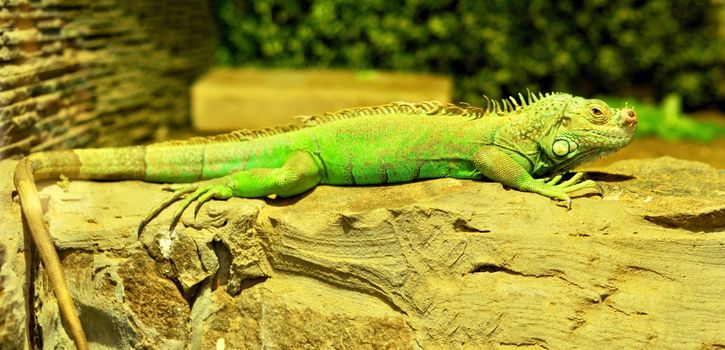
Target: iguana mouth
x,y
626,136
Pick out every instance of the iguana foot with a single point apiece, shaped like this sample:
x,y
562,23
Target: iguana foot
x,y
551,187
200,192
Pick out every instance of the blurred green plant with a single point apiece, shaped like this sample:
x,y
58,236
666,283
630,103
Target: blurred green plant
x,y
667,121
494,47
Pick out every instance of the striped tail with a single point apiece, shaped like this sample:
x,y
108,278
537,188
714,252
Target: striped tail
x,y
123,163
153,163
30,203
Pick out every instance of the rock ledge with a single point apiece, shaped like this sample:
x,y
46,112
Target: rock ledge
x,y
440,263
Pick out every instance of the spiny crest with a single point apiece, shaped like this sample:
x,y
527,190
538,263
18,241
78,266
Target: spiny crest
x,y
429,108
511,105
238,135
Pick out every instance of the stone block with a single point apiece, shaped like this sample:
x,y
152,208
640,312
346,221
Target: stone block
x,y
231,99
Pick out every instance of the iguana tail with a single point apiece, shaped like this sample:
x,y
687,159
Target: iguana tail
x,y
175,161
101,163
24,179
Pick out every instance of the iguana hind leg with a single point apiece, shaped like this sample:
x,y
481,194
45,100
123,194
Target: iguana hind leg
x,y
300,173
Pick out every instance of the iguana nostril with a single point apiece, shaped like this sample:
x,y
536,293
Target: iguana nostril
x,y
630,117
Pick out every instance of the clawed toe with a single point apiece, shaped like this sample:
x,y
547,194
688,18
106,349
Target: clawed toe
x,y
553,181
177,187
573,180
579,186
572,184
200,194
179,191
551,187
185,204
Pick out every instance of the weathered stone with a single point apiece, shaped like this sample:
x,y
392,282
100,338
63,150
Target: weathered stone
x,y
12,306
15,268
432,264
660,195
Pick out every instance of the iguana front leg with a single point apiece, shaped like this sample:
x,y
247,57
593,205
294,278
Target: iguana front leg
x,y
496,165
300,173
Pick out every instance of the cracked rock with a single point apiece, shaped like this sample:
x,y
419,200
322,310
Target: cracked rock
x,y
432,264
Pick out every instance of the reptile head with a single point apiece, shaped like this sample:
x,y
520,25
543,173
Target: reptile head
x,y
581,130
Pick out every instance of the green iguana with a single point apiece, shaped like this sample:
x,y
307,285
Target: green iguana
x,y
526,144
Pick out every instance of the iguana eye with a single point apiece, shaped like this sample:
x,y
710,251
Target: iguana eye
x,y
598,114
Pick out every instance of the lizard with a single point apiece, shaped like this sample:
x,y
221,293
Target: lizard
x,y
526,144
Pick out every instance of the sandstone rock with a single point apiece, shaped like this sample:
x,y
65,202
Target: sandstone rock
x,y
432,264
14,268
12,306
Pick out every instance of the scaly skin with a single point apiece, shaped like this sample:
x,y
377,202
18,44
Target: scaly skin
x,y
525,144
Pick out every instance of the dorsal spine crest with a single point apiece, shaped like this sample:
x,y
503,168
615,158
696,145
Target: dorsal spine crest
x,y
234,136
511,104
426,108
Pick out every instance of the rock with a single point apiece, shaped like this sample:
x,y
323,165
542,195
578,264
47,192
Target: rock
x,y
14,266
226,99
431,264
674,192
12,307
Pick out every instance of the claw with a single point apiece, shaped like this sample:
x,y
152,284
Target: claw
x,y
185,204
203,199
178,193
562,200
197,207
201,193
599,189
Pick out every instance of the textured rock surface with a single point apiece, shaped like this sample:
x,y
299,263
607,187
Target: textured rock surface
x,y
441,263
97,72
14,268
12,306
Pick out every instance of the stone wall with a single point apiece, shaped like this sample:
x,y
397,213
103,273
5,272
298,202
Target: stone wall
x,y
95,73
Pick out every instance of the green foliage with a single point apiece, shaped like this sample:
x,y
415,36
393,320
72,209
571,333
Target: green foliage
x,y
667,121
496,47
